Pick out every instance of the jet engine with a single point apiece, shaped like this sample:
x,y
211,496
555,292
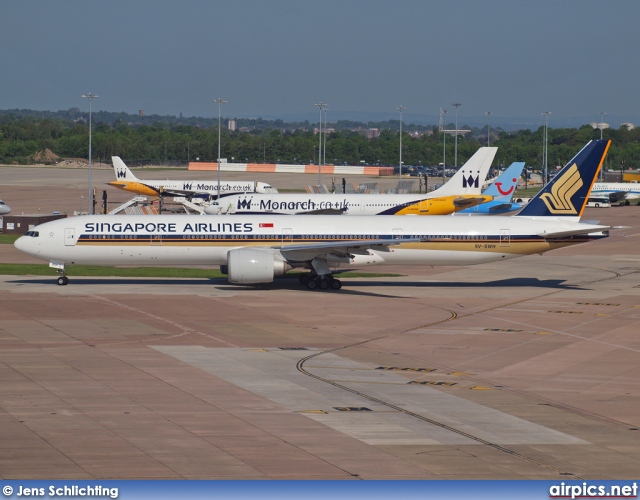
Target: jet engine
x,y
255,265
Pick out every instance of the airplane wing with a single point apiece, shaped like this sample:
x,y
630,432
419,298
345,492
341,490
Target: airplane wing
x,y
341,248
614,196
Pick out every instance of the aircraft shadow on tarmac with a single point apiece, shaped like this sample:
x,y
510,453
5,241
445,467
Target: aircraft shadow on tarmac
x,y
503,283
292,284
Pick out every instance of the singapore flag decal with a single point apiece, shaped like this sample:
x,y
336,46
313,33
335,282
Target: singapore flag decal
x,y
266,224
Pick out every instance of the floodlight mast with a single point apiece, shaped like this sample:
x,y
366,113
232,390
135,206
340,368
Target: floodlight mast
x,y
91,97
220,102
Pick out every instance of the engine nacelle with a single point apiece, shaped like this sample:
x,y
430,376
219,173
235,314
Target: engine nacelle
x,y
255,265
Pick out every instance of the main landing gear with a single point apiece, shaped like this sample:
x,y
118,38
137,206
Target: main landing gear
x,y
320,276
327,282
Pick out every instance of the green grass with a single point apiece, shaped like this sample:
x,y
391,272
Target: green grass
x,y
147,272
8,239
526,193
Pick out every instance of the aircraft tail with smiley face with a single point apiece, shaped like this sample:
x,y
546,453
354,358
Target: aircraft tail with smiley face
x,y
502,190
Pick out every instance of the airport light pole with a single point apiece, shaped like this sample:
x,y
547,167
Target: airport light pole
x,y
91,97
488,113
601,113
444,147
545,147
602,168
455,161
220,102
324,147
401,109
321,105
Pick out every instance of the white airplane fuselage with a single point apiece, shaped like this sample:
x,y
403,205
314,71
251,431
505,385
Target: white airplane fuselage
x,y
190,188
197,240
625,190
345,204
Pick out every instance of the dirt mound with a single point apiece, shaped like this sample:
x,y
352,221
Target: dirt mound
x,y
81,163
47,157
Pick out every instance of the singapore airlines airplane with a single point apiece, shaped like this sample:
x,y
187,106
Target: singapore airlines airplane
x,y
617,191
501,190
4,208
257,248
462,191
127,181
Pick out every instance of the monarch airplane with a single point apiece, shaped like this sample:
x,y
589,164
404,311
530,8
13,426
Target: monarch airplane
x,y
618,191
462,191
257,248
501,190
127,181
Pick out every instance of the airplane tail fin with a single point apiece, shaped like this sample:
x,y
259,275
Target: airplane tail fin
x,y
504,186
566,195
121,170
470,176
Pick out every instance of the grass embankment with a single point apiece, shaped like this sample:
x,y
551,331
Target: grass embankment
x,y
526,193
8,239
148,272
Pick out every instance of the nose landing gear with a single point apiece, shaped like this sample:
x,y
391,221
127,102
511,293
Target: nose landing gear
x,y
59,267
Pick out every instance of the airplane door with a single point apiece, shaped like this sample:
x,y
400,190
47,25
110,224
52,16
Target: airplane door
x,y
287,237
69,237
397,233
505,238
156,239
424,206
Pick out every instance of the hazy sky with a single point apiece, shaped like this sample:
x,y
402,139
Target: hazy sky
x,y
275,59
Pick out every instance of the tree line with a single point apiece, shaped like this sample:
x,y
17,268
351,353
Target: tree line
x,y
23,135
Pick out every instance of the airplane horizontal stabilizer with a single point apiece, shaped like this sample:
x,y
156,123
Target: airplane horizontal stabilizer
x,y
503,207
324,211
574,232
469,202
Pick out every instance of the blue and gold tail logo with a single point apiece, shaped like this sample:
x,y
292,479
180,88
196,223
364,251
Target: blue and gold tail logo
x,y
566,195
558,201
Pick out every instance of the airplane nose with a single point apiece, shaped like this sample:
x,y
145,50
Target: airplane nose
x,y
20,243
25,244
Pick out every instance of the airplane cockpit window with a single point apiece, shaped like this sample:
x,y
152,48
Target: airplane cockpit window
x,y
33,234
